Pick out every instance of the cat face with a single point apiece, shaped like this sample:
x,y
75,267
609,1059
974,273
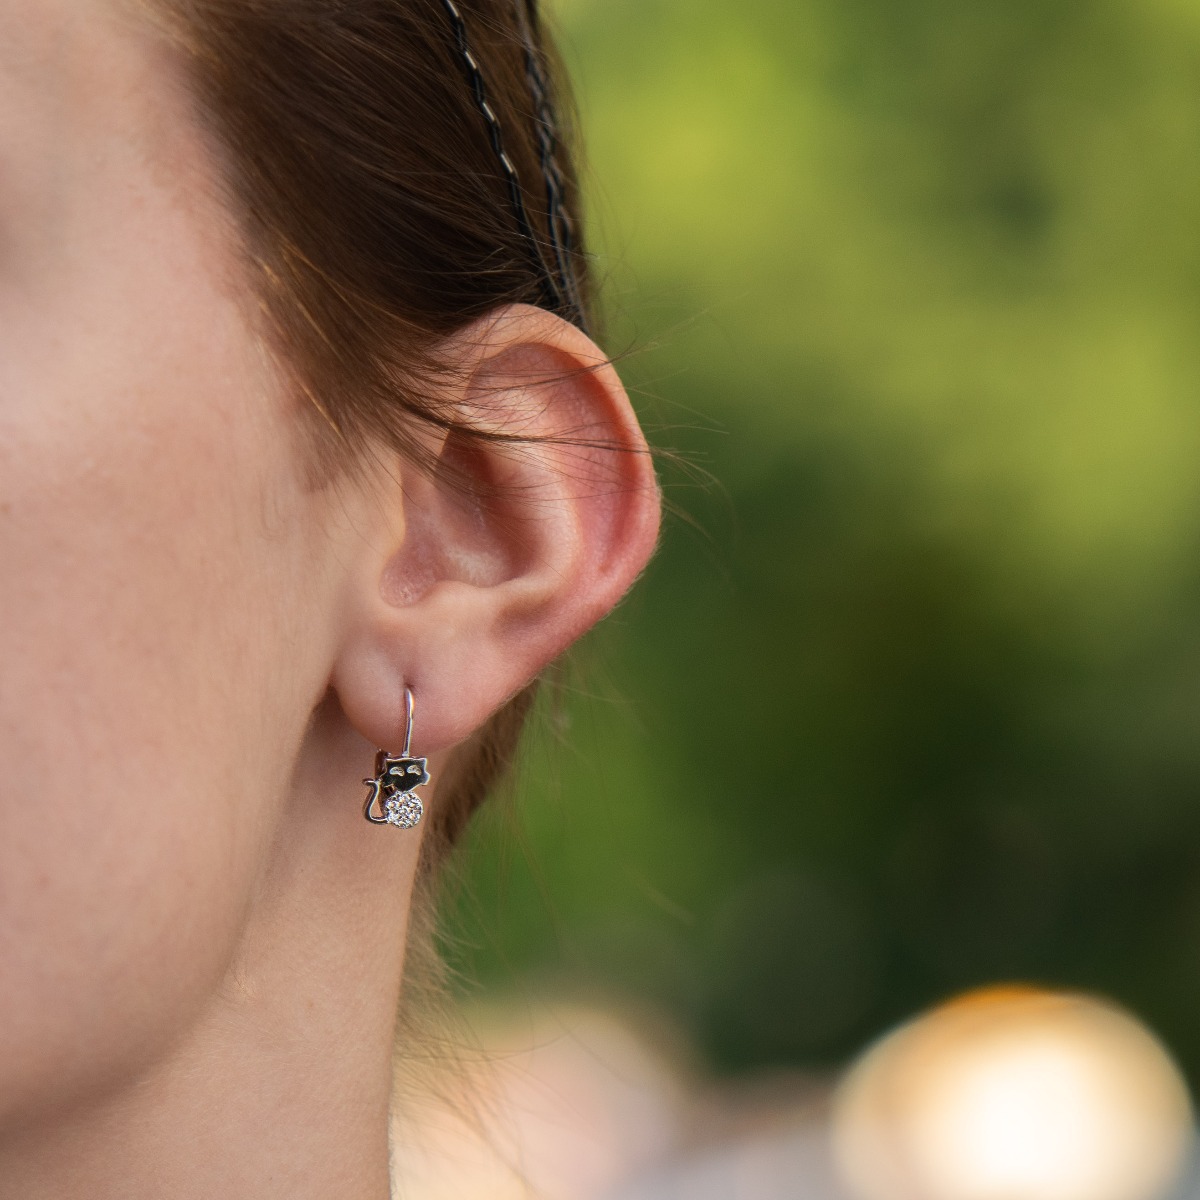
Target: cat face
x,y
404,774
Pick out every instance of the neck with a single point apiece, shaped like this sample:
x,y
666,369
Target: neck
x,y
281,1087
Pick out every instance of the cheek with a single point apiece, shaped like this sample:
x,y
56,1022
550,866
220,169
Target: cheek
x,y
153,572
141,609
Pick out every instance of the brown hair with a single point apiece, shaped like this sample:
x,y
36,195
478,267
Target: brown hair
x,y
378,219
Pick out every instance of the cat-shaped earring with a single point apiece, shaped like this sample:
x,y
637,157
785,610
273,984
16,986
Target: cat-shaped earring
x,y
391,800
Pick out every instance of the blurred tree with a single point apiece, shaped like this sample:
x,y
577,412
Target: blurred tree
x,y
922,281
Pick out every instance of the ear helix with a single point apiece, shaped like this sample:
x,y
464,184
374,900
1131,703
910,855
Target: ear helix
x,y
391,799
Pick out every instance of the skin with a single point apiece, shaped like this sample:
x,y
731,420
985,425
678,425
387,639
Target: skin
x,y
201,940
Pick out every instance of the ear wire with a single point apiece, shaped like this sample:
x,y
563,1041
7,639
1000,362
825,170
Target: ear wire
x,y
410,708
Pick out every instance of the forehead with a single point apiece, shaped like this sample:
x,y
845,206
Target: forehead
x,y
84,61
85,85
100,151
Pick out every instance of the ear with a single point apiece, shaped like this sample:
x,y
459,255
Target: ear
x,y
479,573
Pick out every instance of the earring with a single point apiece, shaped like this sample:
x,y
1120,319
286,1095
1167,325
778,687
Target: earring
x,y
391,800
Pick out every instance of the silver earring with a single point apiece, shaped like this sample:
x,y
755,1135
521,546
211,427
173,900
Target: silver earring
x,y
391,800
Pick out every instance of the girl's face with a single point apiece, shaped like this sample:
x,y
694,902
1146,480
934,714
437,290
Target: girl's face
x,y
196,643
163,565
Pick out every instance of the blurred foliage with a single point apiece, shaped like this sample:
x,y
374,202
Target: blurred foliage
x,y
917,706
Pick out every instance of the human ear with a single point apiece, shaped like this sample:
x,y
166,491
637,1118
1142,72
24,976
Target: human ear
x,y
484,569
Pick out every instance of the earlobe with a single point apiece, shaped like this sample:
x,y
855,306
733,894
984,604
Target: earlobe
x,y
536,521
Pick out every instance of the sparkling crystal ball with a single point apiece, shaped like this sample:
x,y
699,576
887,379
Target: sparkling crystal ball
x,y
403,811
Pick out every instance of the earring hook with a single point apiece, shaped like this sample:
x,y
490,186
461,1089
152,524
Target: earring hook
x,y
410,705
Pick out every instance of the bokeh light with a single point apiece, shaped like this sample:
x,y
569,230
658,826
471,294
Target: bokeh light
x,y
1014,1094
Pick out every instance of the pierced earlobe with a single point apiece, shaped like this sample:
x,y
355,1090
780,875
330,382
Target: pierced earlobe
x,y
390,800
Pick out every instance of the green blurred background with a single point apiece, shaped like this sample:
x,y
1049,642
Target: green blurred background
x,y
910,702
